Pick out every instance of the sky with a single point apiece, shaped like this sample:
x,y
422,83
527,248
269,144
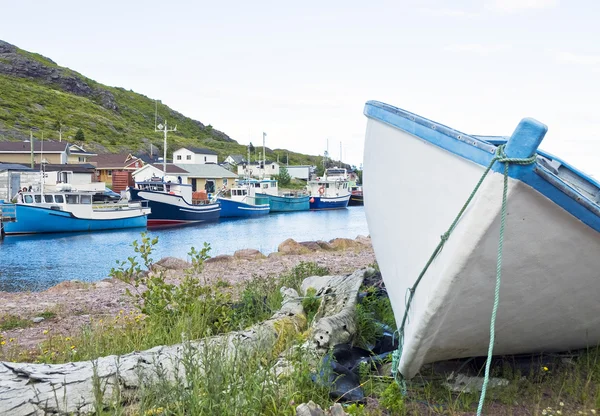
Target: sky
x,y
302,71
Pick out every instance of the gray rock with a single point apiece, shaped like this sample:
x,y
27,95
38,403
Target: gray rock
x,y
248,254
173,263
220,258
37,319
309,409
316,282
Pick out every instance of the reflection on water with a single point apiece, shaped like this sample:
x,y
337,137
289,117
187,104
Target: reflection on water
x,y
40,261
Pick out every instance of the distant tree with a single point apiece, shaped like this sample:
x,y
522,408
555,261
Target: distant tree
x,y
79,136
251,149
284,176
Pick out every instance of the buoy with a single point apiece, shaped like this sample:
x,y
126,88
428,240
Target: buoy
x,y
311,200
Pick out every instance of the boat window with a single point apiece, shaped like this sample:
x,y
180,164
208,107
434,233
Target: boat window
x,y
28,199
38,199
257,185
72,199
86,199
265,185
59,199
244,192
48,199
326,185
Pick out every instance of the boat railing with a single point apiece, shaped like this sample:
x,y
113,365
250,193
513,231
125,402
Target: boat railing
x,y
120,205
8,212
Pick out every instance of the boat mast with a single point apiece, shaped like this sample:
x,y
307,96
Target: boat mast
x,y
264,160
164,129
41,168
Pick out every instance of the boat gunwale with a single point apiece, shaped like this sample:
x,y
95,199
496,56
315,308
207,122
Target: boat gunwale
x,y
479,151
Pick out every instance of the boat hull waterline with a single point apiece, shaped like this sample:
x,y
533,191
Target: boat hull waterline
x,y
337,202
549,272
167,209
34,220
231,209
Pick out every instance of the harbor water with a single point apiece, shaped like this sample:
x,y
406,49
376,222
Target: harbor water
x,y
37,262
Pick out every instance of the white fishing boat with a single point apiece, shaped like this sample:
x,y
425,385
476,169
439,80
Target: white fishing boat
x,y
332,191
548,296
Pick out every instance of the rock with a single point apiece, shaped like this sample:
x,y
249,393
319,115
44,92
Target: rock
x,y
363,240
343,244
37,319
249,254
219,259
313,409
274,254
172,263
68,285
469,384
290,246
311,245
103,284
309,409
325,245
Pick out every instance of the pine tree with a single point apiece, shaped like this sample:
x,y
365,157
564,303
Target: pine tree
x,y
79,136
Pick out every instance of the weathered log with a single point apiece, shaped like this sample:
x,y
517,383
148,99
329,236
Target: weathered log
x,y
40,389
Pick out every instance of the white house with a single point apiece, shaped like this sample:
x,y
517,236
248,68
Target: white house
x,y
235,159
300,171
194,156
256,169
147,172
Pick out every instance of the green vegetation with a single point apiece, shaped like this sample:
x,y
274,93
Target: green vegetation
x,y
79,136
8,322
113,119
284,176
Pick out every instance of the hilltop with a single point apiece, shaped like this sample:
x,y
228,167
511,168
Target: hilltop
x,y
37,94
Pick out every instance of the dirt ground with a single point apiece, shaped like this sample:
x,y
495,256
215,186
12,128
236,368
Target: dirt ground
x,y
75,303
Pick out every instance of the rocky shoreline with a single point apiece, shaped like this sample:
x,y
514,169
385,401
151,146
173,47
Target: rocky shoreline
x,y
73,304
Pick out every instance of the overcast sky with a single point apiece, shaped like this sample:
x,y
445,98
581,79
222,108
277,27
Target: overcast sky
x,y
302,71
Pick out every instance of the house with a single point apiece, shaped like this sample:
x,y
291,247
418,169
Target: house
x,y
208,176
147,172
20,152
79,155
300,171
108,163
235,159
257,170
194,156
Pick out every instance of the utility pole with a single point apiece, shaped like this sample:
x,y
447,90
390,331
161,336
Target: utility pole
x,y
164,129
31,144
264,156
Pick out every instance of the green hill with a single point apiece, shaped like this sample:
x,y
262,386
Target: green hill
x,y
37,94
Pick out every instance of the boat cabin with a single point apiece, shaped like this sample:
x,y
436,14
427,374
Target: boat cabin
x,y
31,198
253,186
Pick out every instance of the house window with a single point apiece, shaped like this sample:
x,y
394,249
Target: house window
x,y
81,158
273,167
224,181
109,172
205,158
178,157
189,157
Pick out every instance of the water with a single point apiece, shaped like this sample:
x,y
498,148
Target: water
x,y
39,262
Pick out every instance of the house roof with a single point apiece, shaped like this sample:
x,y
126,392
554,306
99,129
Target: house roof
x,y
13,166
171,168
207,170
237,159
75,168
25,147
112,160
78,150
199,150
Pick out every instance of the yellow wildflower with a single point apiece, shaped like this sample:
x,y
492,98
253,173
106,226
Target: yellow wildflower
x,y
545,368
72,347
2,342
11,340
68,339
45,331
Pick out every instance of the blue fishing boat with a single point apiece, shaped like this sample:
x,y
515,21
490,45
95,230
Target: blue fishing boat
x,y
287,202
65,212
174,203
241,201
542,212
331,191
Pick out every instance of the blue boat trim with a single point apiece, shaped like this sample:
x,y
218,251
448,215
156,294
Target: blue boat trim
x,y
481,152
230,208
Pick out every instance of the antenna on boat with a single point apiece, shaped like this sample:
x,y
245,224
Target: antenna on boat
x,y
42,167
164,129
264,160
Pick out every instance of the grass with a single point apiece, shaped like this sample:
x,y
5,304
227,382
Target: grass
x,y
9,322
215,382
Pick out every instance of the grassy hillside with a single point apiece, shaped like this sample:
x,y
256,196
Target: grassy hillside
x,y
36,93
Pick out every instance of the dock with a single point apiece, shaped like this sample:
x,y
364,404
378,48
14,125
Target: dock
x,y
8,213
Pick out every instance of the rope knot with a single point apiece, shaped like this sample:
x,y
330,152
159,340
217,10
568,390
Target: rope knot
x,y
444,237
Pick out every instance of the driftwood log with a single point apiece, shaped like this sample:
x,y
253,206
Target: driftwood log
x,y
72,388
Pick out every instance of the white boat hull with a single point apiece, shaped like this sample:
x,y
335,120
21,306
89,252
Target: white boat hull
x,y
551,266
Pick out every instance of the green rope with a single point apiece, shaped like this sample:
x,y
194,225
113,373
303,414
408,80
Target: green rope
x,y
499,157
